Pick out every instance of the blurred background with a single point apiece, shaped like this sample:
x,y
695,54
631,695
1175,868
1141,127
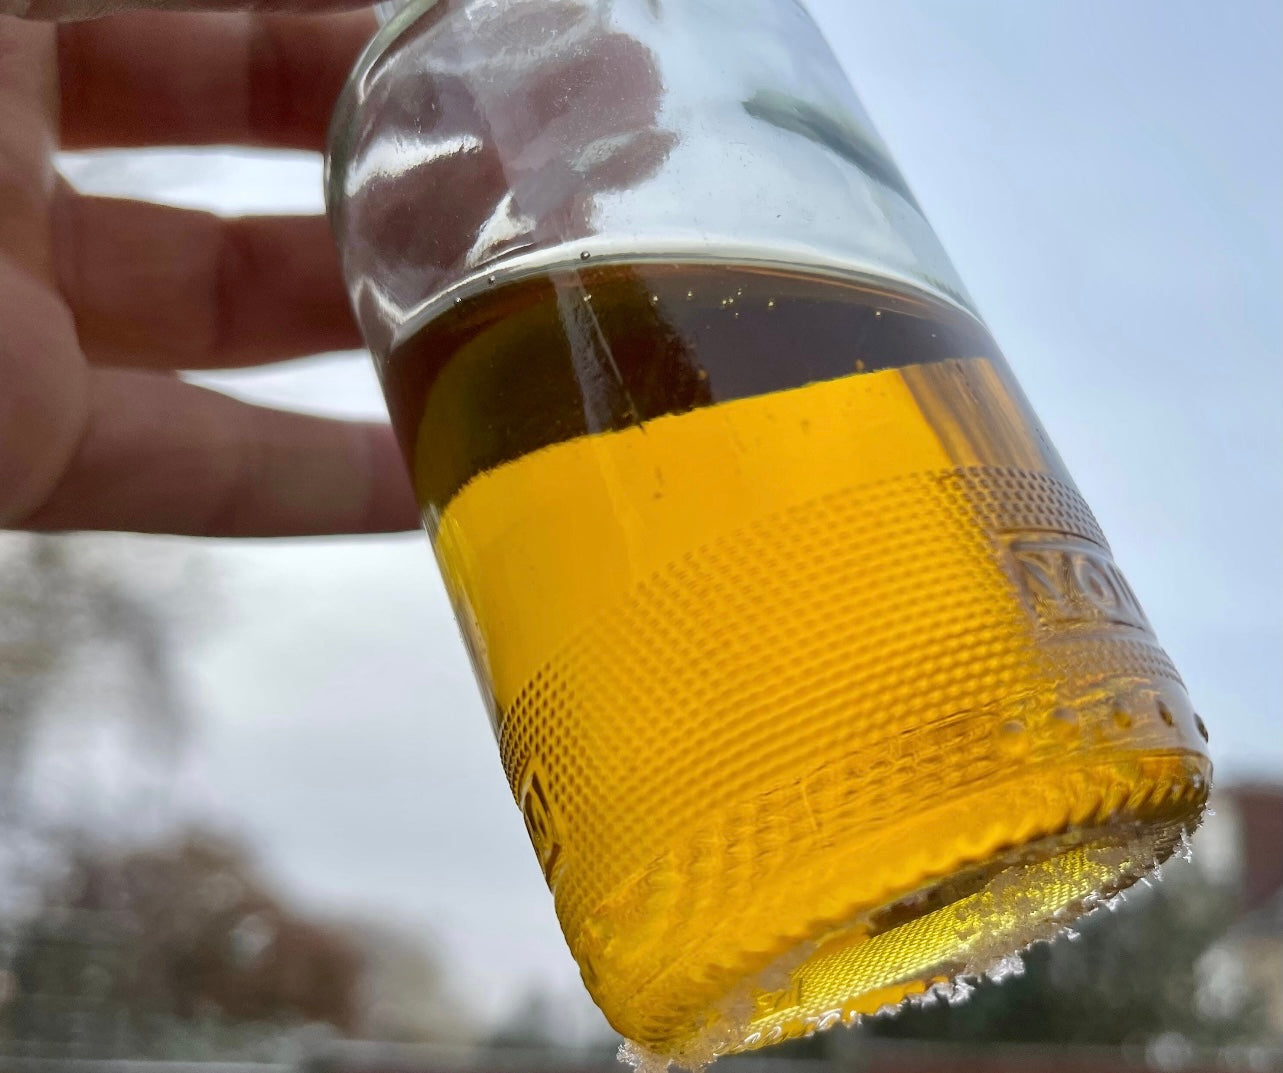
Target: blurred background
x,y
251,812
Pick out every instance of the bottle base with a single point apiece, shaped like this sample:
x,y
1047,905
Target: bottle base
x,y
931,942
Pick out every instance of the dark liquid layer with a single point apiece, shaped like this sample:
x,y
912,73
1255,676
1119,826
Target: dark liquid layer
x,y
590,349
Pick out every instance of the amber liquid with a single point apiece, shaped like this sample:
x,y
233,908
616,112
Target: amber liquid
x,y
812,673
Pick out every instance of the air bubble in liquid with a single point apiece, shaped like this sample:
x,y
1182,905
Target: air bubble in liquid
x,y
1064,722
1013,739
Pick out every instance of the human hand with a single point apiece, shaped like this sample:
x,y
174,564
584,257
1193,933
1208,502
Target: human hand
x,y
102,300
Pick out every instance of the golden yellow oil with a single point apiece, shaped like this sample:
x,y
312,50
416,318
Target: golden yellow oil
x,y
812,674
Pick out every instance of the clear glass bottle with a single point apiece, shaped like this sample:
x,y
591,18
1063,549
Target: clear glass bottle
x,y
812,673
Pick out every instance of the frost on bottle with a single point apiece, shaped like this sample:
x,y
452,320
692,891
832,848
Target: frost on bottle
x,y
812,674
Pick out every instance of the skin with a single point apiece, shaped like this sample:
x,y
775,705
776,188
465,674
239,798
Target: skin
x,y
102,300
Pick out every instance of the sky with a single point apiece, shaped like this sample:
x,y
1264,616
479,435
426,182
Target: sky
x,y
1106,178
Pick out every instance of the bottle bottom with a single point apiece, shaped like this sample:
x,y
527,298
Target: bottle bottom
x,y
934,941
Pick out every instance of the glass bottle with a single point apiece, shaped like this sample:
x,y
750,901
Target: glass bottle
x,y
812,673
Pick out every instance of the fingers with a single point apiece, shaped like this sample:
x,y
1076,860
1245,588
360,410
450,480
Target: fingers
x,y
159,287
28,107
161,455
71,10
43,396
195,79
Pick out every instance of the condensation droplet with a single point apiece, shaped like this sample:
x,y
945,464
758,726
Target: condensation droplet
x,y
584,255
1200,726
770,304
490,280
1006,969
1121,718
1165,714
642,1061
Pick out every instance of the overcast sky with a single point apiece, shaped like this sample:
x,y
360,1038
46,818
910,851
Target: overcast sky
x,y
1107,179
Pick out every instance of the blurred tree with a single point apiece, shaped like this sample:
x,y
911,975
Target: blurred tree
x,y
118,935
402,995
60,609
103,950
530,1024
126,945
548,1018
